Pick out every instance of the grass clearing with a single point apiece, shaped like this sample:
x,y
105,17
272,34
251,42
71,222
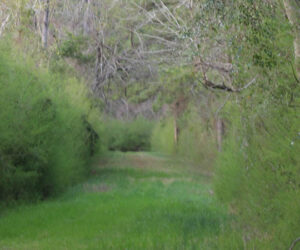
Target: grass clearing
x,y
132,201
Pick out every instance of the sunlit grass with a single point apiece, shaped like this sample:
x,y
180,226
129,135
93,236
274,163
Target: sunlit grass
x,y
127,208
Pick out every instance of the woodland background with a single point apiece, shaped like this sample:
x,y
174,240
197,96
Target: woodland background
x,y
215,82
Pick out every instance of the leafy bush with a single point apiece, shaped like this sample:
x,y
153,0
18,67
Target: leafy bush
x,y
73,47
259,170
197,143
47,131
258,175
128,135
162,139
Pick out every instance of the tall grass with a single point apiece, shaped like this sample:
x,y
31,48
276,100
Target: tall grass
x,y
122,207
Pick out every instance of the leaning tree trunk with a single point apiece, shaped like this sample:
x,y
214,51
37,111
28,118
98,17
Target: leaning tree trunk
x,y
3,25
46,25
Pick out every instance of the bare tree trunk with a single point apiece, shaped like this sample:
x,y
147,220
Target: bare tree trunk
x,y
86,18
175,131
3,25
46,25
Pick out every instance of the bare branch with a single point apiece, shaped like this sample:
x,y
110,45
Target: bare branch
x,y
225,67
222,106
294,243
3,25
212,85
247,85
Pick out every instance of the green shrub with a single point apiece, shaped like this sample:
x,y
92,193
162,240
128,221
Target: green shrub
x,y
258,175
258,171
73,46
197,143
46,130
128,135
162,139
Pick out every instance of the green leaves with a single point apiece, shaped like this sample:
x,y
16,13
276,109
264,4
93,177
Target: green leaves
x,y
45,143
74,47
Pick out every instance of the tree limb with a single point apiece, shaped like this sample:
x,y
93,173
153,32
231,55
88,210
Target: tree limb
x,y
247,85
2,28
212,85
222,106
294,243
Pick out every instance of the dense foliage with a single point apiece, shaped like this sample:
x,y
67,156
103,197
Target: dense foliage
x,y
257,170
46,131
216,80
128,135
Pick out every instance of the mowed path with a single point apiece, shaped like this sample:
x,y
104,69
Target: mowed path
x,y
132,201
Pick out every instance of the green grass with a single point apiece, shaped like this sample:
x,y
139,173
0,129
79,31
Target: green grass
x,y
132,201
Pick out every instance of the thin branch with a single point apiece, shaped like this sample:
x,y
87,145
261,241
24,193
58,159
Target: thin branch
x,y
224,67
156,51
222,106
294,72
170,13
212,85
247,85
294,243
3,25
165,41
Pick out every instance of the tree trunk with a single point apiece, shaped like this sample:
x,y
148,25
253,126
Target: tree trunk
x,y
46,25
86,18
175,131
3,25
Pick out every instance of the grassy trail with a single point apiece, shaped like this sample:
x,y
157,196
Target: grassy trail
x,y
132,201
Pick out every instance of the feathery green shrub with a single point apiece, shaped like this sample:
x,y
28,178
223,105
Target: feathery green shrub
x,y
258,171
258,175
47,132
196,142
162,139
128,135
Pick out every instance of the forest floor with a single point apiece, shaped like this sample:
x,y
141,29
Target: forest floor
x,y
132,201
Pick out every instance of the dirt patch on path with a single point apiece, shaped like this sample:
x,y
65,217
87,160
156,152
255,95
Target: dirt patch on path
x,y
142,161
144,166
167,180
96,188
